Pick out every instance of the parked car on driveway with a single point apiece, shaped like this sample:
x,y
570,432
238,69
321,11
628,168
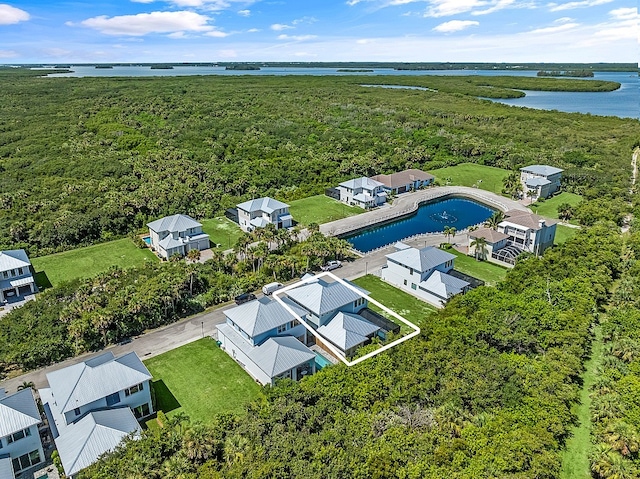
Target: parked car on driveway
x,y
267,289
331,265
244,297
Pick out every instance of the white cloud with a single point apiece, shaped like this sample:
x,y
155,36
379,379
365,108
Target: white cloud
x,y
558,7
254,30
244,13
142,1
446,8
556,29
455,26
496,6
10,15
298,38
304,20
145,23
278,27
624,13
564,20
227,53
177,35
216,34
8,54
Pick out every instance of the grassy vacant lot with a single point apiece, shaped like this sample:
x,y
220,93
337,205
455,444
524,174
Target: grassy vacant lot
x,y
89,261
563,233
407,306
488,272
200,379
222,230
549,208
468,174
321,209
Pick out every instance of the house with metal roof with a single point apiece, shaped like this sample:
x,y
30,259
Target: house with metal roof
x,y
259,213
405,180
423,273
16,279
267,340
20,445
540,181
119,386
363,192
177,234
347,332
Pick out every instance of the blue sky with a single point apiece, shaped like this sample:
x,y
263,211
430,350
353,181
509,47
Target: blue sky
x,y
35,31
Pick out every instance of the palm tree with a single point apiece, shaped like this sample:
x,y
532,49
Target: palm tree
x,y
193,255
480,245
198,443
26,385
494,220
449,231
531,194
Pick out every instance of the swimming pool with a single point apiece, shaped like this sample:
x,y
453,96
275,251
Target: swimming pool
x,y
321,361
430,218
147,239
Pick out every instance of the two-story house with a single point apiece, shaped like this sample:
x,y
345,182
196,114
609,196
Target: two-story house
x,y
540,181
267,341
177,234
527,232
263,211
16,279
424,273
91,406
20,445
363,192
403,181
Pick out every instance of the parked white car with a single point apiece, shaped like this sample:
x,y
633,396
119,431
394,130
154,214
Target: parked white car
x,y
331,265
267,289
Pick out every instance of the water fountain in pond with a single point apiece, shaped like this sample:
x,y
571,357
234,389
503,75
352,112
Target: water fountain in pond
x,y
443,217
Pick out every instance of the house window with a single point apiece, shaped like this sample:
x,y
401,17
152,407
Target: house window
x,y
5,274
20,271
26,460
141,411
134,389
76,411
413,285
16,436
283,327
405,282
113,399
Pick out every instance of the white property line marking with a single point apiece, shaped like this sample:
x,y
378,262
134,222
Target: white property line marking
x,y
326,342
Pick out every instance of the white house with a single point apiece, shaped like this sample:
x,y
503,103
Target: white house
x,y
423,273
20,445
15,275
526,232
92,405
494,240
263,211
541,180
363,192
403,181
267,341
177,234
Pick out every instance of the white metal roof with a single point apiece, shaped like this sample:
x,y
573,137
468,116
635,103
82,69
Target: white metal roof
x,y
542,170
262,315
280,354
537,181
363,182
93,435
321,297
17,412
347,330
266,204
443,285
259,222
421,259
94,379
6,467
174,223
12,259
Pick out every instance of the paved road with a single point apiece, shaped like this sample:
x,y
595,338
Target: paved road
x,y
190,329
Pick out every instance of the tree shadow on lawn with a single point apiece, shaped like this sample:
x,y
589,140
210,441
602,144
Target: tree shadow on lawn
x,y
42,280
165,400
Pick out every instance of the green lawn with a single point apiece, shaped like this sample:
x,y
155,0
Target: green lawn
x,y
222,231
321,209
549,208
407,306
563,233
89,261
488,272
200,379
468,174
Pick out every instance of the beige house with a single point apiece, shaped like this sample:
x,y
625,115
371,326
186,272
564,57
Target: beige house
x,y
403,181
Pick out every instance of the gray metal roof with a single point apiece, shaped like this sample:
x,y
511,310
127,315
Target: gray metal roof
x,y
443,284
17,412
93,435
259,222
12,259
262,315
347,330
537,181
363,182
321,297
174,223
83,383
6,467
421,259
542,170
266,204
280,354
